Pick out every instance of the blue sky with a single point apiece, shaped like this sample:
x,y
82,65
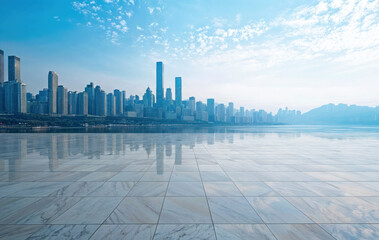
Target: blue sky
x,y
261,54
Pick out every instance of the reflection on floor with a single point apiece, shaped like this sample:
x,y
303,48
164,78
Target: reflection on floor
x,y
189,186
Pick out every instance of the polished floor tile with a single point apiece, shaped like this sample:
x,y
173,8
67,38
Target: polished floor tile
x,y
185,189
89,210
125,232
185,210
137,210
243,231
299,232
185,232
352,231
277,210
80,232
221,189
232,210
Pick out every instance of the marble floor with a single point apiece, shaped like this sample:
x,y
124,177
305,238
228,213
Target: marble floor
x,y
221,183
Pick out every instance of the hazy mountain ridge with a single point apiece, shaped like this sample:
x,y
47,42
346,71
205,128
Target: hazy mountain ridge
x,y
337,114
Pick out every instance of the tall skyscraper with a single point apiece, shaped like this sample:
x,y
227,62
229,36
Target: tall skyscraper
x,y
90,90
14,90
101,102
211,109
82,103
52,86
1,81
178,91
62,100
72,102
14,69
14,97
160,87
169,96
119,102
230,112
111,106
1,67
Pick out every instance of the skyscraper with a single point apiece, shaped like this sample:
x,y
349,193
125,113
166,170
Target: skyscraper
x,y
62,100
160,82
72,102
14,69
101,102
82,103
211,109
1,81
14,90
119,102
230,112
1,67
53,86
111,109
91,99
178,91
168,96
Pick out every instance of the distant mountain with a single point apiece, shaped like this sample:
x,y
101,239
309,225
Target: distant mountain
x,y
341,114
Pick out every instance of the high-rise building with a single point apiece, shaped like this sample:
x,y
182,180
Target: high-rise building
x,y
230,112
1,81
52,86
119,102
168,96
62,100
14,69
90,90
14,97
14,90
160,84
220,113
101,102
72,102
211,109
82,103
148,99
178,91
192,105
123,100
111,106
1,67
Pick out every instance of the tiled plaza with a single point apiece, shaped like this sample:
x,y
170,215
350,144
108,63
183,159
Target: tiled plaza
x,y
191,185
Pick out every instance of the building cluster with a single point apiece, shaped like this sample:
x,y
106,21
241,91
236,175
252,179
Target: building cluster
x,y
164,104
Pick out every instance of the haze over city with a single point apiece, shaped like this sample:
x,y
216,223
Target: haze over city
x,y
299,54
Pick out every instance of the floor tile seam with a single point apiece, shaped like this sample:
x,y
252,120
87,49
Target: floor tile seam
x,y
206,197
308,217
164,199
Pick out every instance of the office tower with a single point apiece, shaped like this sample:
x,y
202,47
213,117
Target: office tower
x,y
111,109
242,112
82,103
160,87
1,81
14,69
178,91
101,102
119,102
14,90
192,105
72,102
169,96
230,112
148,99
220,113
1,67
91,99
62,101
211,109
14,97
123,100
53,86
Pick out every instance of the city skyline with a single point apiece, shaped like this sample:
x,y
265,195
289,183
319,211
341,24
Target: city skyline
x,y
252,49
